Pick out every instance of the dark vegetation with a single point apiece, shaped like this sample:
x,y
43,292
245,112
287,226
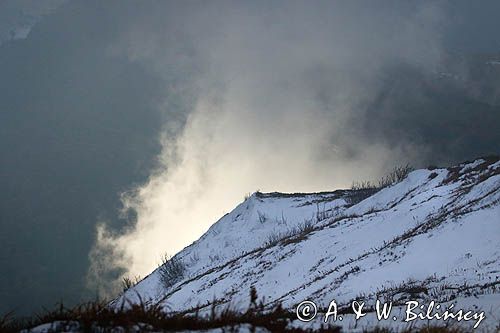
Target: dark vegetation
x,y
396,175
171,270
454,173
292,235
100,317
97,317
364,189
261,195
128,282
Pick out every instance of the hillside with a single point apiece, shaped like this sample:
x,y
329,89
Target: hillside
x,y
432,236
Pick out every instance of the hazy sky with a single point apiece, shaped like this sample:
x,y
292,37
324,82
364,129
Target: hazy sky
x,y
128,128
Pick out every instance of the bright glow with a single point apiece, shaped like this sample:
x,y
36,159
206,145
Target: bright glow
x,y
273,112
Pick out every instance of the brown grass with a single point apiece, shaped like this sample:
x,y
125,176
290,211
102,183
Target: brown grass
x,y
99,317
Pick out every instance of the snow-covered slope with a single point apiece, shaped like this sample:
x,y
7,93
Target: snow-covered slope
x,y
433,236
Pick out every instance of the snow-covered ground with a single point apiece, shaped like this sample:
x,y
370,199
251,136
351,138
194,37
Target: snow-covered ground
x,y
435,236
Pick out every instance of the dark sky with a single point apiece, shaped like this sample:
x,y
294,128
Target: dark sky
x,y
86,97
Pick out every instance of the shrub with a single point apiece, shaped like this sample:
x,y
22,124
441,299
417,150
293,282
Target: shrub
x,y
359,195
273,239
363,185
395,176
364,189
171,270
305,227
292,235
128,282
323,214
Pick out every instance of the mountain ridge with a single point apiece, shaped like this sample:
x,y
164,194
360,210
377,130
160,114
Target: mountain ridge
x,y
399,243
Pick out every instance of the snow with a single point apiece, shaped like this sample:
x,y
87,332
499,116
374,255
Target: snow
x,y
425,231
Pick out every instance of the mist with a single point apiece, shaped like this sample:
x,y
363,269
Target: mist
x,y
276,105
128,128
